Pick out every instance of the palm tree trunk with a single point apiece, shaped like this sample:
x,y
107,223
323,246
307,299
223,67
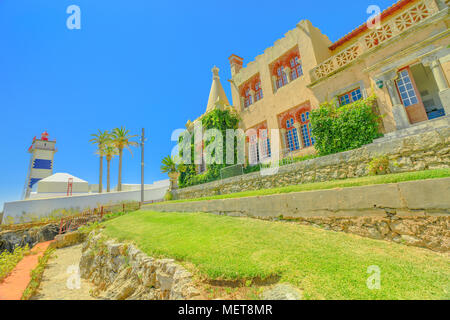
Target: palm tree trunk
x,y
100,183
108,166
119,184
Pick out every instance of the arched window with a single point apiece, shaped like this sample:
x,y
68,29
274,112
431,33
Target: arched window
x,y
253,152
264,144
292,135
282,79
307,138
258,91
248,98
296,67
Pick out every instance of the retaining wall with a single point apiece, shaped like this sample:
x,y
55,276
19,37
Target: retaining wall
x,y
42,207
426,150
414,213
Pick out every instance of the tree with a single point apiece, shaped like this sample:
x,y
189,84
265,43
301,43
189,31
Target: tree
x,y
101,139
173,169
109,151
169,165
121,140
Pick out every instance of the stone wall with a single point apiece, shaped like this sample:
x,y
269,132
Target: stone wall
x,y
23,210
414,212
121,271
425,150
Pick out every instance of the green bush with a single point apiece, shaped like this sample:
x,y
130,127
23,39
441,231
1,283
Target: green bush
x,y
168,196
8,261
338,129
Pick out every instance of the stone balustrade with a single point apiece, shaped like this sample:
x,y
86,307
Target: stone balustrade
x,y
375,37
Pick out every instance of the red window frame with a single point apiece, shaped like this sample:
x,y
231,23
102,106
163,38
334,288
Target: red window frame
x,y
258,91
296,67
248,99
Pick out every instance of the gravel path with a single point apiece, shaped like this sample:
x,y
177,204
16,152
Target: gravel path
x,y
61,279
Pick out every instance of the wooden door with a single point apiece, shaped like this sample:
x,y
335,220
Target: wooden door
x,y
410,96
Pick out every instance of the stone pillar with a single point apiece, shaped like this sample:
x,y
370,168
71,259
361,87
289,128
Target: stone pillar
x,y
252,93
287,72
298,126
274,83
242,103
398,110
441,81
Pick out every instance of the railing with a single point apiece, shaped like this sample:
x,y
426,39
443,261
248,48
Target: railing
x,y
391,28
71,223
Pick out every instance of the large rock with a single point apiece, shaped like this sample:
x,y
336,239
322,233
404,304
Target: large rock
x,y
11,239
122,272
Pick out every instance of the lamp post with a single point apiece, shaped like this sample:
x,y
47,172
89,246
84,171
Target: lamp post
x,y
142,165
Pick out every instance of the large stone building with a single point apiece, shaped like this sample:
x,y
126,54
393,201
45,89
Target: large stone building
x,y
405,62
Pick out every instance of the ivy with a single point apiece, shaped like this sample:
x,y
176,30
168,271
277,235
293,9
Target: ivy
x,y
221,120
338,129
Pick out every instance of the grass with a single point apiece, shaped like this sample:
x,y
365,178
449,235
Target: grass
x,y
325,264
8,261
353,182
36,275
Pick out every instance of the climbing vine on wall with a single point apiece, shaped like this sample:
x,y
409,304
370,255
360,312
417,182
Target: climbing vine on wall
x,y
221,120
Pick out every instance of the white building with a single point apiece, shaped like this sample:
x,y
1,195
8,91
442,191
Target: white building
x,y
59,185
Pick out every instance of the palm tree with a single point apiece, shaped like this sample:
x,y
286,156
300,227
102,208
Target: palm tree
x,y
121,140
173,168
170,165
101,139
109,151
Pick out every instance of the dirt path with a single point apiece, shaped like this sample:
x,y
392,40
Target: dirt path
x,y
61,280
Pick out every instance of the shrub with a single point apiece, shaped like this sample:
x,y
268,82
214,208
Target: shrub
x,y
8,260
168,196
338,129
378,166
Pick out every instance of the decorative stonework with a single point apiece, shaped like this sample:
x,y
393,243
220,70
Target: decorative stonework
x,y
372,39
378,36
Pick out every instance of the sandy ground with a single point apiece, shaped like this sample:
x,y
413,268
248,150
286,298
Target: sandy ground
x,y
61,280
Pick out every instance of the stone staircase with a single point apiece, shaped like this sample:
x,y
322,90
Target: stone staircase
x,y
417,128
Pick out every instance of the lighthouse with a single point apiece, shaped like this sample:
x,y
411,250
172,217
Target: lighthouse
x,y
41,162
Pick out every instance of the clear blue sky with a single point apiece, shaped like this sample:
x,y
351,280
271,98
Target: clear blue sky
x,y
134,63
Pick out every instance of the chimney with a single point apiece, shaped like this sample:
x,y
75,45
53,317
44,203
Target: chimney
x,y
236,63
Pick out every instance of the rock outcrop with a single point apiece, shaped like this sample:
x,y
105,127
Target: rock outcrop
x,y
11,239
121,271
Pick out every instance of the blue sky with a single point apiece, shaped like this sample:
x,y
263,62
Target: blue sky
x,y
134,63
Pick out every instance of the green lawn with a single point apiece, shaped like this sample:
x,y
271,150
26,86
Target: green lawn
x,y
325,264
354,182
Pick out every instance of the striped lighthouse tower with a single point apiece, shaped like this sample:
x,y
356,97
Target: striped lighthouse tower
x,y
41,162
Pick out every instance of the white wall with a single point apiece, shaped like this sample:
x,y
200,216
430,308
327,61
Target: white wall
x,y
43,207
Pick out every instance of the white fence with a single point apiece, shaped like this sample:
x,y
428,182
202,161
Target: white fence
x,y
20,210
